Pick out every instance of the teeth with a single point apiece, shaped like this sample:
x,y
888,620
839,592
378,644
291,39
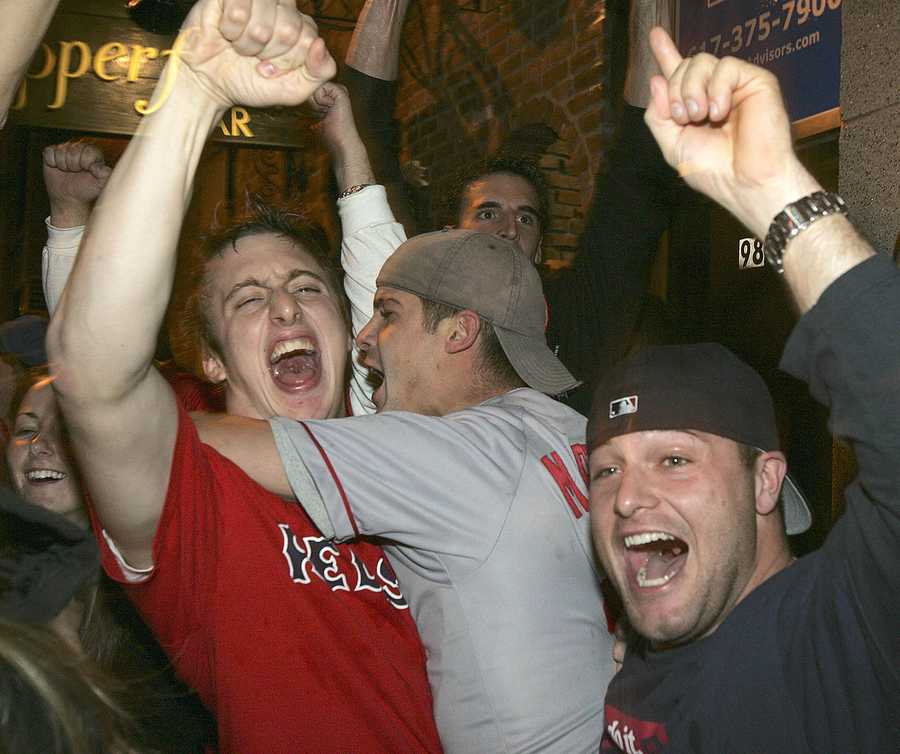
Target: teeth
x,y
642,579
39,474
646,538
286,346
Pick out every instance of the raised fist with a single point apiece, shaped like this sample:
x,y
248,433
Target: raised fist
x,y
722,124
74,174
254,52
331,103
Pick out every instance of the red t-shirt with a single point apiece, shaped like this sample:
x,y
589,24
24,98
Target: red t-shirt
x,y
295,643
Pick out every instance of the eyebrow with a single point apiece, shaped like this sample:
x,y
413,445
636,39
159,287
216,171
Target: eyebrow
x,y
493,204
381,299
253,282
246,283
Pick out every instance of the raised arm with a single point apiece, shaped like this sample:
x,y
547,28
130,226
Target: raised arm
x,y
370,232
120,411
722,124
373,58
74,175
349,158
632,204
24,23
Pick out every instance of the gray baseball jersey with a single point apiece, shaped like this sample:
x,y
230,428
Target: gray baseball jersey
x,y
486,515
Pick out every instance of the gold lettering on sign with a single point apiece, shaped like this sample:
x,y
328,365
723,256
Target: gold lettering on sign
x,y
46,70
63,74
240,123
109,52
49,63
164,89
139,56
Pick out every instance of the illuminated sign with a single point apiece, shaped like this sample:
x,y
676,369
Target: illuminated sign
x,y
798,40
98,73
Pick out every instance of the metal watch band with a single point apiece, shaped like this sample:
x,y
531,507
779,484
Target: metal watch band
x,y
794,219
353,189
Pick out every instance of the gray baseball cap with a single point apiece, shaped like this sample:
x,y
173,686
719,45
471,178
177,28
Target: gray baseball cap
x,y
490,276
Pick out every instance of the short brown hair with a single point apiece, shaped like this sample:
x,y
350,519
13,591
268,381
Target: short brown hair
x,y
748,455
494,364
498,165
261,219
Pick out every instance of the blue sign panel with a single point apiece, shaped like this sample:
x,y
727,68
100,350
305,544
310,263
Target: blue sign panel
x,y
798,40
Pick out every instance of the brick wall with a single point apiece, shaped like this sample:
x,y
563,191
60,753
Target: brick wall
x,y
470,83
470,80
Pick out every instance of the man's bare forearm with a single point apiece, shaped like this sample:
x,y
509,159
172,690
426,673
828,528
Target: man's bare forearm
x,y
248,443
24,24
120,412
375,46
349,156
351,162
644,15
820,255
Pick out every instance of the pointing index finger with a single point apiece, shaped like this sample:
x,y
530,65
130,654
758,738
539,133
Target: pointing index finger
x,y
665,51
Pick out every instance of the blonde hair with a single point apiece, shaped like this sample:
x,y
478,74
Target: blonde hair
x,y
54,699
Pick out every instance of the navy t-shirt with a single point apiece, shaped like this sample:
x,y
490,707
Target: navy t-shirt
x,y
810,660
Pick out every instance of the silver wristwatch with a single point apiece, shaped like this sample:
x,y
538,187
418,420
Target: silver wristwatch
x,y
797,217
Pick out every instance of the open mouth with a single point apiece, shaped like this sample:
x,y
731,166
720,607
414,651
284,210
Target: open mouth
x,y
654,558
45,476
295,363
375,380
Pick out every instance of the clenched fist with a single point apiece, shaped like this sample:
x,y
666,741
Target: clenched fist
x,y
254,52
74,174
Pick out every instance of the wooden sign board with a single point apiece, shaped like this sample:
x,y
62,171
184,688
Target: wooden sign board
x,y
96,73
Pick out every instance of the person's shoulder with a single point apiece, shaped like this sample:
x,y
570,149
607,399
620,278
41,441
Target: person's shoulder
x,y
533,402
530,410
199,469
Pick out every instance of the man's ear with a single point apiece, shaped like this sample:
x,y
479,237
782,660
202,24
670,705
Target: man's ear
x,y
213,367
770,469
463,333
538,252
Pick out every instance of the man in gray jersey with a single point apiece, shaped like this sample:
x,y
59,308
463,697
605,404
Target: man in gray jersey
x,y
477,479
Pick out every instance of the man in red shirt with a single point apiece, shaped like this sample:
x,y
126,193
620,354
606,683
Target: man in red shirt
x,y
296,644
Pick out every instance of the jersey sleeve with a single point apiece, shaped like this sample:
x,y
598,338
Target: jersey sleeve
x,y
370,236
380,475
57,260
847,348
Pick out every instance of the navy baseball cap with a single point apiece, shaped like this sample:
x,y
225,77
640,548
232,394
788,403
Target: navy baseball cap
x,y
701,386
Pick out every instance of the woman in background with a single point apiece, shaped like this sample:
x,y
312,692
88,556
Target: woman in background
x,y
96,620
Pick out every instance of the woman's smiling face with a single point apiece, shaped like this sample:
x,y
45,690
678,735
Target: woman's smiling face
x,y
41,467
